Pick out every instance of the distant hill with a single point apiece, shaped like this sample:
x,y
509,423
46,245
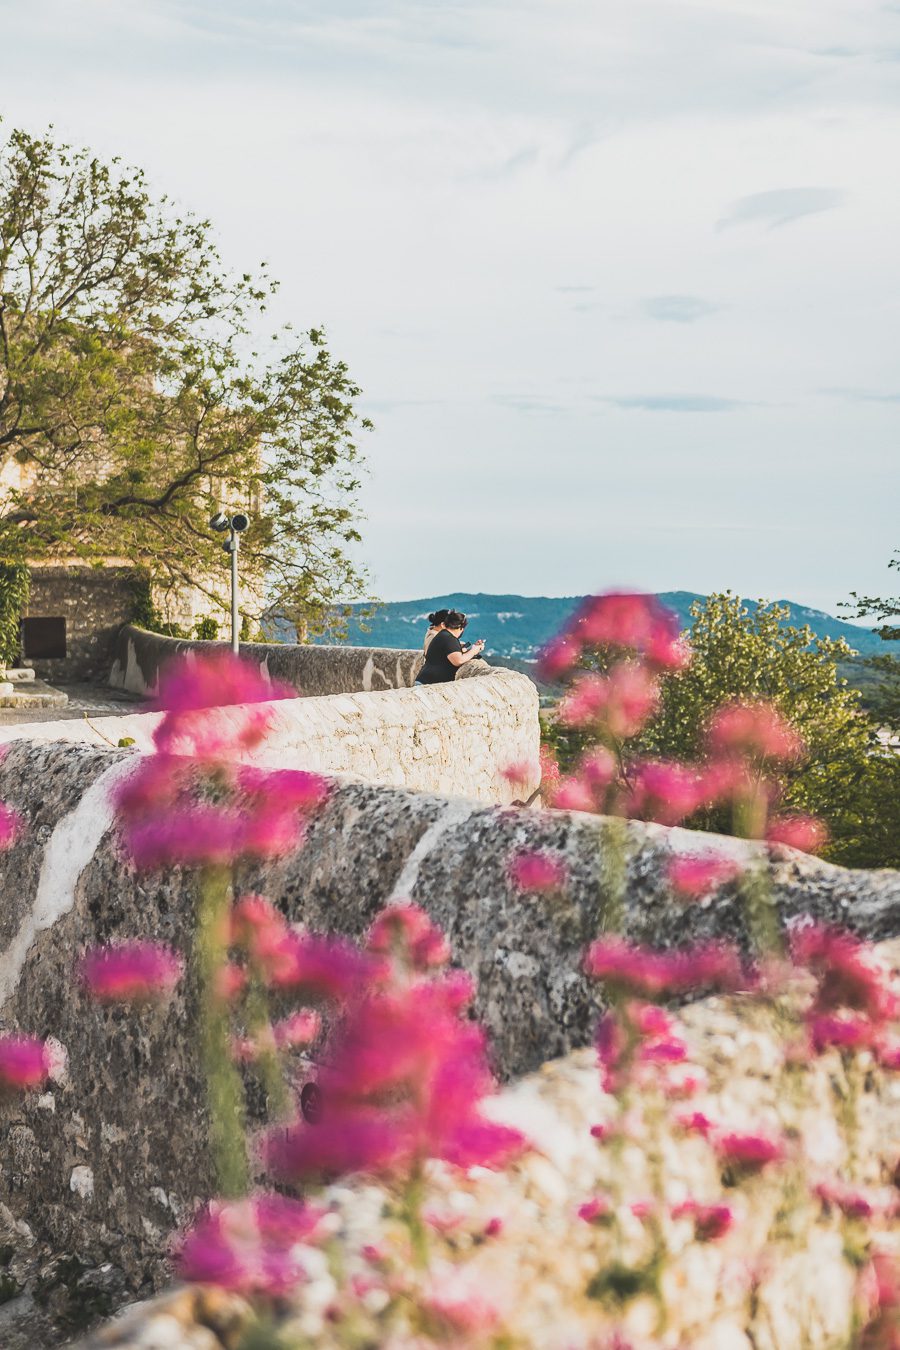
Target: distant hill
x,y
515,626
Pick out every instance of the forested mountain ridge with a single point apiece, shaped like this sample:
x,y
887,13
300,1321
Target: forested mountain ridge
x,y
517,625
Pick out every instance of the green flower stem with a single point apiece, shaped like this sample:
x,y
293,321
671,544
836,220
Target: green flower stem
x,y
225,1094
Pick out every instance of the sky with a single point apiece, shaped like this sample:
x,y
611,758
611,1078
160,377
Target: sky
x,y
619,280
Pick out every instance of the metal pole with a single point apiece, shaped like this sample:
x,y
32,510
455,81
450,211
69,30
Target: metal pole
x,y
235,627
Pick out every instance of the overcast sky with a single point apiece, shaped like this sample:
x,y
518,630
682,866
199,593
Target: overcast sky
x,y
619,278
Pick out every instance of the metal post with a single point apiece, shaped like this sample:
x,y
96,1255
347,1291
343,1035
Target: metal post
x,y
233,542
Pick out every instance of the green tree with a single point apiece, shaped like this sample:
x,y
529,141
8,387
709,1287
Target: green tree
x,y
744,652
884,697
135,400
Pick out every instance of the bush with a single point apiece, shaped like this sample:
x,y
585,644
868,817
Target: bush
x,y
15,584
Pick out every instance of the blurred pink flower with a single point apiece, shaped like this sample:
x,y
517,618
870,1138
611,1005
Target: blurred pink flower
x,y
194,683
250,1246
521,773
805,833
711,1222
696,874
695,1122
756,730
299,1028
848,973
596,1210
406,933
11,825
573,794
559,655
849,1031
854,1203
647,972
621,701
537,870
633,622
748,1152
24,1062
131,972
665,791
404,1082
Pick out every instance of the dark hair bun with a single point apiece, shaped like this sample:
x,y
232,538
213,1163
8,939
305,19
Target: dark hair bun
x,y
439,616
453,618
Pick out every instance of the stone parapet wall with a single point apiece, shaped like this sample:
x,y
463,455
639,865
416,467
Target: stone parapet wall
x,y
450,738
111,1157
310,669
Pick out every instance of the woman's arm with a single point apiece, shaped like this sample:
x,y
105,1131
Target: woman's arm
x,y
460,658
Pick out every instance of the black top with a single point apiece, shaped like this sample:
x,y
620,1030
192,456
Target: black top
x,y
437,669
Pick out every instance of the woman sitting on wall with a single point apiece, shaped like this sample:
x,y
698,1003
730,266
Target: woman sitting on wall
x,y
435,624
444,653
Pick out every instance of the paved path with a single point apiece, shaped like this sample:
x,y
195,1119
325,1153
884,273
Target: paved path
x,y
85,700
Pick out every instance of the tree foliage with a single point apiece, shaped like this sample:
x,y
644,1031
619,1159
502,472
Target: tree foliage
x,y
15,584
136,403
885,695
741,652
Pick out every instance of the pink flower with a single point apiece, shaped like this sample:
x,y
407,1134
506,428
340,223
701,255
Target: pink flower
x,y
888,1054
848,1031
131,972
24,1062
299,1028
711,1222
756,730
192,684
597,1210
521,773
647,972
322,968
633,622
404,1082
549,767
558,656
695,1122
850,1201
801,832
537,871
11,825
642,1209
493,1227
574,795
664,791
847,972
251,1246
406,933
696,874
621,702
748,1153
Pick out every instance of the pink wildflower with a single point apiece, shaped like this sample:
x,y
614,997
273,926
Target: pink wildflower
x,y
549,767
756,730
493,1227
801,832
131,972
192,685
405,1080
643,1209
521,773
407,933
558,656
696,874
647,972
574,795
888,1053
299,1028
251,1246
665,792
621,701
711,1222
748,1153
633,622
597,1210
848,1031
11,825
323,968
24,1062
537,871
848,973
695,1122
855,1204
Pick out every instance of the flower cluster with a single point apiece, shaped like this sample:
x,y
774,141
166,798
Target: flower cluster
x,y
194,802
253,1246
131,972
24,1062
406,1073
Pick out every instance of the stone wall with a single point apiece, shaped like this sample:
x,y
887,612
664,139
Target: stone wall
x,y
112,1156
95,603
451,738
311,670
